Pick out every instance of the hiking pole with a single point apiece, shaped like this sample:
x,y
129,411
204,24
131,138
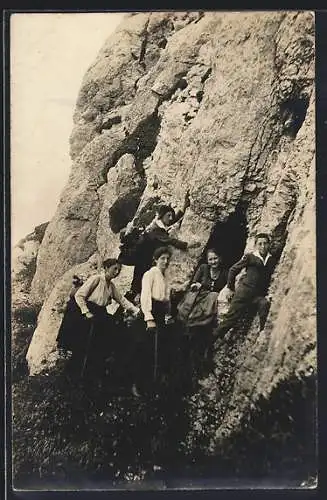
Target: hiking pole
x,y
89,339
155,367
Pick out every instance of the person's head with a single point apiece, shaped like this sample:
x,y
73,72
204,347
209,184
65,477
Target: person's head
x,y
161,258
213,258
166,214
262,243
77,281
112,268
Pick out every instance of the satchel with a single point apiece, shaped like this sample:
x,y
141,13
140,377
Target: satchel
x,y
186,305
198,308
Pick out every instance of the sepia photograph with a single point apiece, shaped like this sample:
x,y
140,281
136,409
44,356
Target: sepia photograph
x,y
163,250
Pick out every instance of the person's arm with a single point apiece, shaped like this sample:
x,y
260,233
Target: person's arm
x,y
235,270
163,237
85,291
197,280
126,304
146,297
175,242
199,274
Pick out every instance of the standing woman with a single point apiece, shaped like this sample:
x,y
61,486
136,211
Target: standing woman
x,y
87,328
155,305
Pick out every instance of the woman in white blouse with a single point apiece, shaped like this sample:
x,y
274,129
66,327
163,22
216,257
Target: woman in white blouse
x,y
155,305
155,293
85,329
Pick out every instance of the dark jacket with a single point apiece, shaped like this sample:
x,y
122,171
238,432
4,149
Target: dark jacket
x,y
158,236
155,237
257,276
202,276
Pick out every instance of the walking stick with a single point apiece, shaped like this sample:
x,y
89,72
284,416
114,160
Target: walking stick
x,y
90,335
155,367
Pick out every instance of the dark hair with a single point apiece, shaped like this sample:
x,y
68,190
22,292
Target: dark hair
x,y
163,209
213,250
262,236
77,281
110,262
161,251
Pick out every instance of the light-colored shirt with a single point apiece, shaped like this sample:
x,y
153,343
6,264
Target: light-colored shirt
x,y
96,290
264,260
156,222
154,286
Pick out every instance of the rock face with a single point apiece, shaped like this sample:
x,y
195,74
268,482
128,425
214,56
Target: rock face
x,y
218,107
23,265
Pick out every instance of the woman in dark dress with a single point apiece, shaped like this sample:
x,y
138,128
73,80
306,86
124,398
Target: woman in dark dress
x,y
199,309
86,329
212,276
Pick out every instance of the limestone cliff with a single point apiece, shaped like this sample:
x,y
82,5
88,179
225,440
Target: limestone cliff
x,y
219,106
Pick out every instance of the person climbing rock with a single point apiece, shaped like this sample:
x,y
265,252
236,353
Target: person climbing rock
x,y
156,236
85,328
252,287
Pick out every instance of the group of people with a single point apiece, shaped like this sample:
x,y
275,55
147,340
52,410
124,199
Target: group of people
x,y
154,322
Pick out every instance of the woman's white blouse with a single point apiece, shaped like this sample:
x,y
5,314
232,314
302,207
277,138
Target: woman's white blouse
x,y
154,286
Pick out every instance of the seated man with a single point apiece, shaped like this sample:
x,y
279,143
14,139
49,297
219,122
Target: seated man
x,y
252,287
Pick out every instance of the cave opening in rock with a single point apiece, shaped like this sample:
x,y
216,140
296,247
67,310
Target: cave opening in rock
x,y
294,111
229,238
123,210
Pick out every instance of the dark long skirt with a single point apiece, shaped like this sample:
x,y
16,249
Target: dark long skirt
x,y
142,358
89,340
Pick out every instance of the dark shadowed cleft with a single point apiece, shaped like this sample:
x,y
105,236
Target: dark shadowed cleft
x,y
199,96
124,209
162,43
147,212
141,143
206,75
107,124
229,238
294,111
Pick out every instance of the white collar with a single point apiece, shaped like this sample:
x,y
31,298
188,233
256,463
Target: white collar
x,y
158,271
161,224
264,260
